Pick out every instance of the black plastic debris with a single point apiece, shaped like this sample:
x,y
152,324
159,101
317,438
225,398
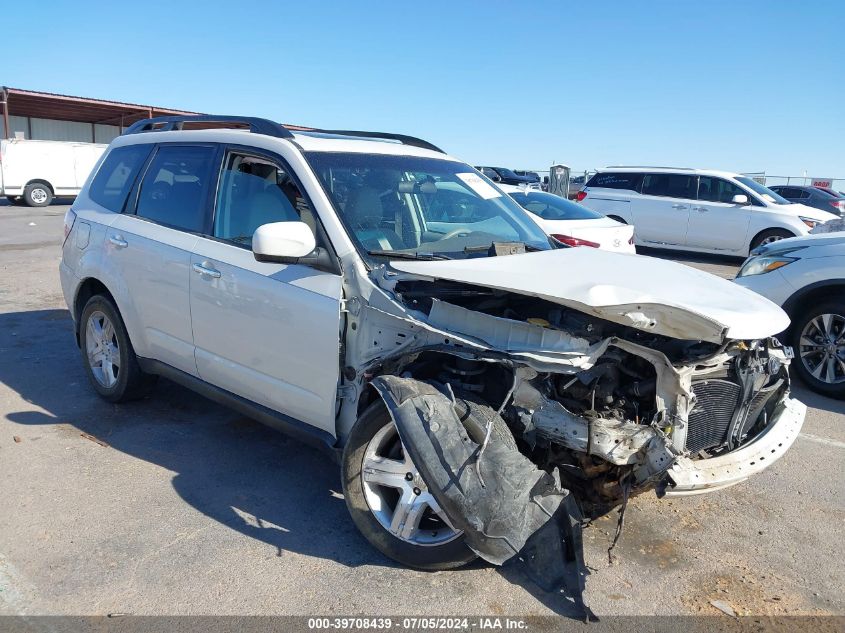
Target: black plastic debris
x,y
508,509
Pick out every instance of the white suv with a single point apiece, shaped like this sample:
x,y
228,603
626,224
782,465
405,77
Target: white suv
x,y
357,290
697,209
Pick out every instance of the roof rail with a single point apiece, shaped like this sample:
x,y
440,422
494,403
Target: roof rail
x,y
169,123
646,167
402,138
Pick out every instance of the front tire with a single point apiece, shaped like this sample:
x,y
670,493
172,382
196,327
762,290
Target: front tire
x,y
37,194
817,337
387,499
108,355
769,236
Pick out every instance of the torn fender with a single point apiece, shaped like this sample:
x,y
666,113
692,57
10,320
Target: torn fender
x,y
506,506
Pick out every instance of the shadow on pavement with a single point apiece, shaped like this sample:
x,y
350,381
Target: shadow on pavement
x,y
230,468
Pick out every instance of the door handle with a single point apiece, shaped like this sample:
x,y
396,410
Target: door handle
x,y
679,206
207,270
118,241
701,209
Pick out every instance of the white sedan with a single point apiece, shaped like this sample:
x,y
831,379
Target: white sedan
x,y
572,223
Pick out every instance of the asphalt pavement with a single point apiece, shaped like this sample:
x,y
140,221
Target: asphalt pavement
x,y
175,505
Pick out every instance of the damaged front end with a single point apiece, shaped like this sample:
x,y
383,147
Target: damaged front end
x,y
601,410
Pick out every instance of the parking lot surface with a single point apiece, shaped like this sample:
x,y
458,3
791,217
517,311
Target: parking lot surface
x,y
174,505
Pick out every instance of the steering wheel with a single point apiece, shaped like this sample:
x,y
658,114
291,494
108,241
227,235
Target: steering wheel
x,y
455,233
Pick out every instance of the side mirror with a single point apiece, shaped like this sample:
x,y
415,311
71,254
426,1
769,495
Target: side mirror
x,y
282,242
740,198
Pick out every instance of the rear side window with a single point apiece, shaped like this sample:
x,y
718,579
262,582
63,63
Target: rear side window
x,y
616,181
669,185
175,188
116,176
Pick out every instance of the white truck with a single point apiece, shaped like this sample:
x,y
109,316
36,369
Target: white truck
x,y
38,171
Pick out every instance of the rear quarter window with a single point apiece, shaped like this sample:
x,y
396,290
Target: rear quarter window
x,y
116,176
616,181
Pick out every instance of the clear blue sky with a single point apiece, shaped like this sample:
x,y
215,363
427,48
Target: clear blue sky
x,y
745,86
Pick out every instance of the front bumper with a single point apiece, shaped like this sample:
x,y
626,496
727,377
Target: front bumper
x,y
691,477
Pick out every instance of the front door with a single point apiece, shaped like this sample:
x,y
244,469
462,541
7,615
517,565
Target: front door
x,y
715,222
267,332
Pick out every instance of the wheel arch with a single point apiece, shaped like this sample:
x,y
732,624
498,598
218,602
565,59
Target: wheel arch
x,y
811,295
88,288
41,181
753,242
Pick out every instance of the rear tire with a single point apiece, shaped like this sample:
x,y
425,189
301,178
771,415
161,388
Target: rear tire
x,y
817,337
108,355
37,194
617,218
434,557
768,236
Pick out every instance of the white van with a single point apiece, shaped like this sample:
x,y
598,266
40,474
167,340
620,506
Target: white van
x,y
38,171
696,209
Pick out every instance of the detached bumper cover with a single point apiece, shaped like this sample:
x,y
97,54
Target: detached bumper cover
x,y
507,508
689,477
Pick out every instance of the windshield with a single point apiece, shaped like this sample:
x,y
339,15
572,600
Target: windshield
x,y
764,192
551,207
421,206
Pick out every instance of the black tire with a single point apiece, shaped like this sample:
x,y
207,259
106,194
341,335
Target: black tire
x,y
770,235
130,383
450,555
801,321
37,194
617,218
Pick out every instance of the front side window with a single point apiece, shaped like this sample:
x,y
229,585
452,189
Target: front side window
x,y
421,207
718,190
764,192
255,191
551,207
670,185
175,188
116,176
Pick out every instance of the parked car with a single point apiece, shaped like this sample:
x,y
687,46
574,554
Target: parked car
x,y
576,184
697,210
818,197
806,276
37,171
388,302
572,223
506,176
530,176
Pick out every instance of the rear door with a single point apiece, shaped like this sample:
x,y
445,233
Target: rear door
x,y
152,245
264,331
662,211
715,222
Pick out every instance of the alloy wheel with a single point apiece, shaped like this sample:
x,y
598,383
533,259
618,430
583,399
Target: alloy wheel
x,y
822,348
398,497
102,349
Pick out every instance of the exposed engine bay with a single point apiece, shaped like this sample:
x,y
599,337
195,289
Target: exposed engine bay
x,y
628,403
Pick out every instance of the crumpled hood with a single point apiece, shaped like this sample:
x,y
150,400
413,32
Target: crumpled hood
x,y
649,294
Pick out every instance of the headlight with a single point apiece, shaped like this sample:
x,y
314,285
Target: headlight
x,y
810,222
760,265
